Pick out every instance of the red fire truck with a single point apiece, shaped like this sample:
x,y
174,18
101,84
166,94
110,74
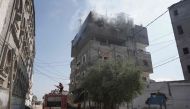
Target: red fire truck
x,y
55,101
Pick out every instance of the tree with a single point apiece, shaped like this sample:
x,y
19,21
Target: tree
x,y
112,83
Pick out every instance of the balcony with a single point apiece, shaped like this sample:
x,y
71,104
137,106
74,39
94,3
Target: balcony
x,y
2,74
144,61
141,35
72,87
15,34
93,31
18,16
107,32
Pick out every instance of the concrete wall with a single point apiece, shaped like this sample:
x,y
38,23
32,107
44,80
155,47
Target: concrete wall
x,y
141,35
4,95
177,93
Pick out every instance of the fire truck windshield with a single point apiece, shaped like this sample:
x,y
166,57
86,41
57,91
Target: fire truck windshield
x,y
54,101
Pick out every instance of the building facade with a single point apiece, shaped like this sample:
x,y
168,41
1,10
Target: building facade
x,y
17,49
102,39
180,18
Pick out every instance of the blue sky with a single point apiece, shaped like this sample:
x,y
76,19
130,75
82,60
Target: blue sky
x,y
57,22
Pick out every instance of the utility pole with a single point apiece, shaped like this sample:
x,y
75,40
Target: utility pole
x,y
84,99
11,78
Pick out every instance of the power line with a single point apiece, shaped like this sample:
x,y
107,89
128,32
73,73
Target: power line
x,y
158,43
48,76
52,64
166,62
49,67
166,59
38,70
160,37
151,22
161,48
43,62
65,78
137,32
169,61
56,74
156,18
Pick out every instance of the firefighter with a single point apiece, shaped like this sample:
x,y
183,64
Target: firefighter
x,y
60,87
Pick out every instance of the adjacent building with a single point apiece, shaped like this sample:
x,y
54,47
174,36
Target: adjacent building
x,y
101,39
17,49
180,18
176,92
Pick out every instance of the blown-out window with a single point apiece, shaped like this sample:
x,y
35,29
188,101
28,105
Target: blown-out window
x,y
185,50
84,58
176,12
145,62
180,29
188,69
9,57
105,58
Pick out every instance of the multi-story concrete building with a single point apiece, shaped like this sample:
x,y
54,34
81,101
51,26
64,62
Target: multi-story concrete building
x,y
180,18
17,49
103,39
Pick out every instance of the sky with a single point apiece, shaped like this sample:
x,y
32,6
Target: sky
x,y
57,22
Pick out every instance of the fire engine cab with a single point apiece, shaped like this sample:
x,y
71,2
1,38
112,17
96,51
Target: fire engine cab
x,y
55,100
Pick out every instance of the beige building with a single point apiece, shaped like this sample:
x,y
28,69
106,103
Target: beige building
x,y
180,18
101,39
17,48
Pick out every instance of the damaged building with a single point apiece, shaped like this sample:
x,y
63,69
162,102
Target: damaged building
x,y
102,38
17,50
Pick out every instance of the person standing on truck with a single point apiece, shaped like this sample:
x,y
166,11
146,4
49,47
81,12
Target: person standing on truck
x,y
60,87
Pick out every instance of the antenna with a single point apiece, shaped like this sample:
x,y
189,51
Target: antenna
x,y
80,21
106,12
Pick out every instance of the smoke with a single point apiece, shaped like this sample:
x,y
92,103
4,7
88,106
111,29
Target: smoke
x,y
115,19
120,22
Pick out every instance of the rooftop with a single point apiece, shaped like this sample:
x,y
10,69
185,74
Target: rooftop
x,y
121,26
178,3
